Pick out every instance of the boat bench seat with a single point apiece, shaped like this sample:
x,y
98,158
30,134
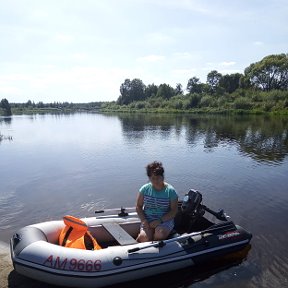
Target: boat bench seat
x,y
119,234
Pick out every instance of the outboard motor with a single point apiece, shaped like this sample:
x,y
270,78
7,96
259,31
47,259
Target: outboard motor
x,y
191,204
192,211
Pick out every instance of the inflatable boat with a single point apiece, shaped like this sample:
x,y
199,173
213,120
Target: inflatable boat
x,y
195,240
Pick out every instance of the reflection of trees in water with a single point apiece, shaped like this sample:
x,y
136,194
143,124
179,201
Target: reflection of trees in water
x,y
267,140
6,120
261,137
138,126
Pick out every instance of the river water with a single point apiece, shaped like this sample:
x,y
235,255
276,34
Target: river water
x,y
53,165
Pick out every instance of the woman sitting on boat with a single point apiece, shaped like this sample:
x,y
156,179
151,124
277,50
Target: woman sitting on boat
x,y
157,205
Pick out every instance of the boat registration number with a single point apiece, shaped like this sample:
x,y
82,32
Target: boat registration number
x,y
73,264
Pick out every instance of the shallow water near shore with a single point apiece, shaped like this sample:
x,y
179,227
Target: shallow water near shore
x,y
54,165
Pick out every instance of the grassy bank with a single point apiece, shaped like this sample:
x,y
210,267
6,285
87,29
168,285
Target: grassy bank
x,y
122,109
239,102
130,109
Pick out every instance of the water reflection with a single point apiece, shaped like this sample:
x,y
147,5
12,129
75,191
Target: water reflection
x,y
138,125
6,123
261,138
198,275
6,120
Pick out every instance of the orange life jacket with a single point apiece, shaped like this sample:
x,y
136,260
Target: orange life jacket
x,y
76,235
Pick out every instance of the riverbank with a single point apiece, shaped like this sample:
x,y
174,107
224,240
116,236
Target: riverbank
x,y
128,109
241,101
11,279
215,111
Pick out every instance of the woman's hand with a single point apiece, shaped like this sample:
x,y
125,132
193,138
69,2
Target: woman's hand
x,y
154,224
145,224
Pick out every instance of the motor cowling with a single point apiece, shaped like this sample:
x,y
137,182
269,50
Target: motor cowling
x,y
191,203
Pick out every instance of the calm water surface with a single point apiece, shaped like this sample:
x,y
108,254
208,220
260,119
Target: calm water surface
x,y
73,164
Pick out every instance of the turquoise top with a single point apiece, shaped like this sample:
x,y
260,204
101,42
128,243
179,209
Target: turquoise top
x,y
157,203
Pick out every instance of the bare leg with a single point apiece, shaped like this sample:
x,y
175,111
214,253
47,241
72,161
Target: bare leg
x,y
161,233
145,235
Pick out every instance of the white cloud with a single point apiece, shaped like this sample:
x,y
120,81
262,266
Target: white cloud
x,y
96,84
151,58
64,38
158,38
49,66
217,66
79,56
258,43
14,77
191,5
182,55
227,63
9,90
229,71
183,72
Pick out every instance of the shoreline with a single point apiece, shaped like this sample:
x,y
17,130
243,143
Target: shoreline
x,y
9,278
128,110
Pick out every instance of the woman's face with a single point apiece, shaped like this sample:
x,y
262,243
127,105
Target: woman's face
x,y
157,181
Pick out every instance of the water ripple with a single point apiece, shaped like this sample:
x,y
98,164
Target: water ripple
x,y
11,209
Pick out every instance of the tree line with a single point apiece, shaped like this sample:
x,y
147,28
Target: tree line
x,y
6,108
263,87
271,73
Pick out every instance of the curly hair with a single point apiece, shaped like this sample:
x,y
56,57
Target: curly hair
x,y
155,168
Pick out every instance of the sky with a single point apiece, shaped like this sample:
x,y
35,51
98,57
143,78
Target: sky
x,y
82,50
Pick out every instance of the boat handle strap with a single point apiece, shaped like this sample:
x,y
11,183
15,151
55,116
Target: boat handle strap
x,y
67,235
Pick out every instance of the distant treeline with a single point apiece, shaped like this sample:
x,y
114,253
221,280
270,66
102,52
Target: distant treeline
x,y
262,88
57,105
40,107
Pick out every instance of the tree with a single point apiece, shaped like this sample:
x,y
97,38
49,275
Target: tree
x,y
178,89
151,90
231,82
213,80
125,92
131,91
28,103
194,85
165,91
4,104
269,73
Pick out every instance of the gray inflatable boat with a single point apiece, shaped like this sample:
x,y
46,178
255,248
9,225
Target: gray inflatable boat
x,y
36,254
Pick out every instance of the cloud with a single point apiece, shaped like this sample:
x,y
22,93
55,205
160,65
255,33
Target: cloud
x,y
49,66
227,63
182,55
258,43
229,71
191,5
151,58
158,39
10,90
183,72
216,66
64,38
97,84
79,56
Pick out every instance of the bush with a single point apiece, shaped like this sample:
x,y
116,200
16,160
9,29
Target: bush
x,y
140,105
243,103
155,102
207,101
194,100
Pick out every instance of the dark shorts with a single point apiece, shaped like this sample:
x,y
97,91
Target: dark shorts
x,y
167,225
